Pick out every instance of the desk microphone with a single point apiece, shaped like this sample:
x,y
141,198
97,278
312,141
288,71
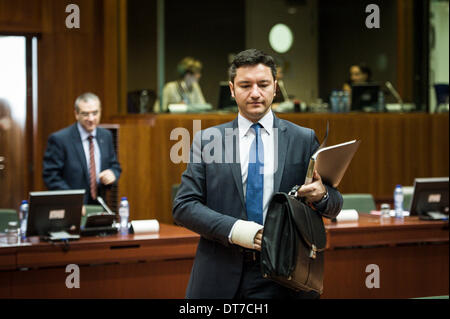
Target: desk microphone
x,y
394,93
105,207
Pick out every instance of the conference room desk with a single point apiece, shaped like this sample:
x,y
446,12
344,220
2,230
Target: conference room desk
x,y
411,255
118,266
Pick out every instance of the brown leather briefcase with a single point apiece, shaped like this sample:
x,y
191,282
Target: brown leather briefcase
x,y
293,243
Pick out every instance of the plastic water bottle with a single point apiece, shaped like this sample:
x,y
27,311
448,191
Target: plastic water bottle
x,y
346,101
124,213
334,101
398,201
341,105
23,217
380,101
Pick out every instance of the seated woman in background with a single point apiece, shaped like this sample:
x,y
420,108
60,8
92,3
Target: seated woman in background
x,y
186,89
359,73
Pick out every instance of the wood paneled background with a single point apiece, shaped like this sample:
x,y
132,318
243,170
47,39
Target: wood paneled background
x,y
70,62
395,147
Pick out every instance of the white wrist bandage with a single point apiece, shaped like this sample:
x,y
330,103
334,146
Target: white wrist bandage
x,y
244,233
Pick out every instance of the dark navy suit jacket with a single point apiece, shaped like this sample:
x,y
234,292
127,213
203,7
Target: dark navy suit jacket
x,y
65,164
210,200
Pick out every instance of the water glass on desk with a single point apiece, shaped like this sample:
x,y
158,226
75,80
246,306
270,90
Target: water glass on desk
x,y
12,233
385,210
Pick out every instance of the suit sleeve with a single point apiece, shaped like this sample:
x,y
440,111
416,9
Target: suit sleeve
x,y
189,207
113,163
333,205
53,165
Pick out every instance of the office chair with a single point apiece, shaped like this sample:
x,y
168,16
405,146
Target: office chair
x,y
407,197
363,203
141,101
7,215
442,93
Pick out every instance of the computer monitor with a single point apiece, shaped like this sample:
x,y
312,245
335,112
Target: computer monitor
x,y
225,99
55,211
365,97
430,198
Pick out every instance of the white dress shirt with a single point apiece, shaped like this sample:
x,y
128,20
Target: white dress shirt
x,y
246,138
84,139
245,231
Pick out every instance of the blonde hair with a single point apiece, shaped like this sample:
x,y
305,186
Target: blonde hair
x,y
189,65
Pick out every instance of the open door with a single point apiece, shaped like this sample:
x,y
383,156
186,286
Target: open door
x,y
15,99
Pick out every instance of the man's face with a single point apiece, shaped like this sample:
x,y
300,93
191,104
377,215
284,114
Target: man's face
x,y
88,114
254,90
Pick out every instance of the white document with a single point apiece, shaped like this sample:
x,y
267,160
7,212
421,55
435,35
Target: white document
x,y
347,215
145,226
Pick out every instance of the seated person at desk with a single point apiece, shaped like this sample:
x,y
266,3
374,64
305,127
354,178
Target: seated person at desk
x,y
82,155
186,89
359,73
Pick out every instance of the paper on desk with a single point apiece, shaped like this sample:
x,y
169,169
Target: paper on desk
x,y
62,235
178,108
145,226
347,215
391,213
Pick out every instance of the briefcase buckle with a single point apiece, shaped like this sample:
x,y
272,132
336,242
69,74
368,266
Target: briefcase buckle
x,y
313,251
293,191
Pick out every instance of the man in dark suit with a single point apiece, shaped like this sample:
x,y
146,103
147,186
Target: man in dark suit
x,y
225,190
82,156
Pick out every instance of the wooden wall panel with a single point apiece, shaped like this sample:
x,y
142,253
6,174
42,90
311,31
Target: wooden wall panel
x,y
20,16
405,51
70,61
395,149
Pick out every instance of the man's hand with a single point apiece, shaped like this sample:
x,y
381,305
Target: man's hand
x,y
314,191
107,177
245,234
83,210
258,240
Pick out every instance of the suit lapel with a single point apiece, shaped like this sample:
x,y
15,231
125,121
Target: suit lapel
x,y
232,156
102,146
78,145
280,150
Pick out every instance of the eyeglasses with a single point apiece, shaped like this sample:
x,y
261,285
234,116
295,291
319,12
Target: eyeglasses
x,y
86,114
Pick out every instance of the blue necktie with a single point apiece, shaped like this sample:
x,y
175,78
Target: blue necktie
x,y
255,178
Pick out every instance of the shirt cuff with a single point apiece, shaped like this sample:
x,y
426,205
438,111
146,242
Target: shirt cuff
x,y
321,205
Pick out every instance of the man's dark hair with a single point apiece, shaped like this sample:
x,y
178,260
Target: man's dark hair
x,y
252,57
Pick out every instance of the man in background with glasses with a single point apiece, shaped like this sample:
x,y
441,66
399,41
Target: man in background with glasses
x,y
82,155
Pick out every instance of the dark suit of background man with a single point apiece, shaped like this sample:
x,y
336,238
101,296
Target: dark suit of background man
x,y
213,197
82,156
